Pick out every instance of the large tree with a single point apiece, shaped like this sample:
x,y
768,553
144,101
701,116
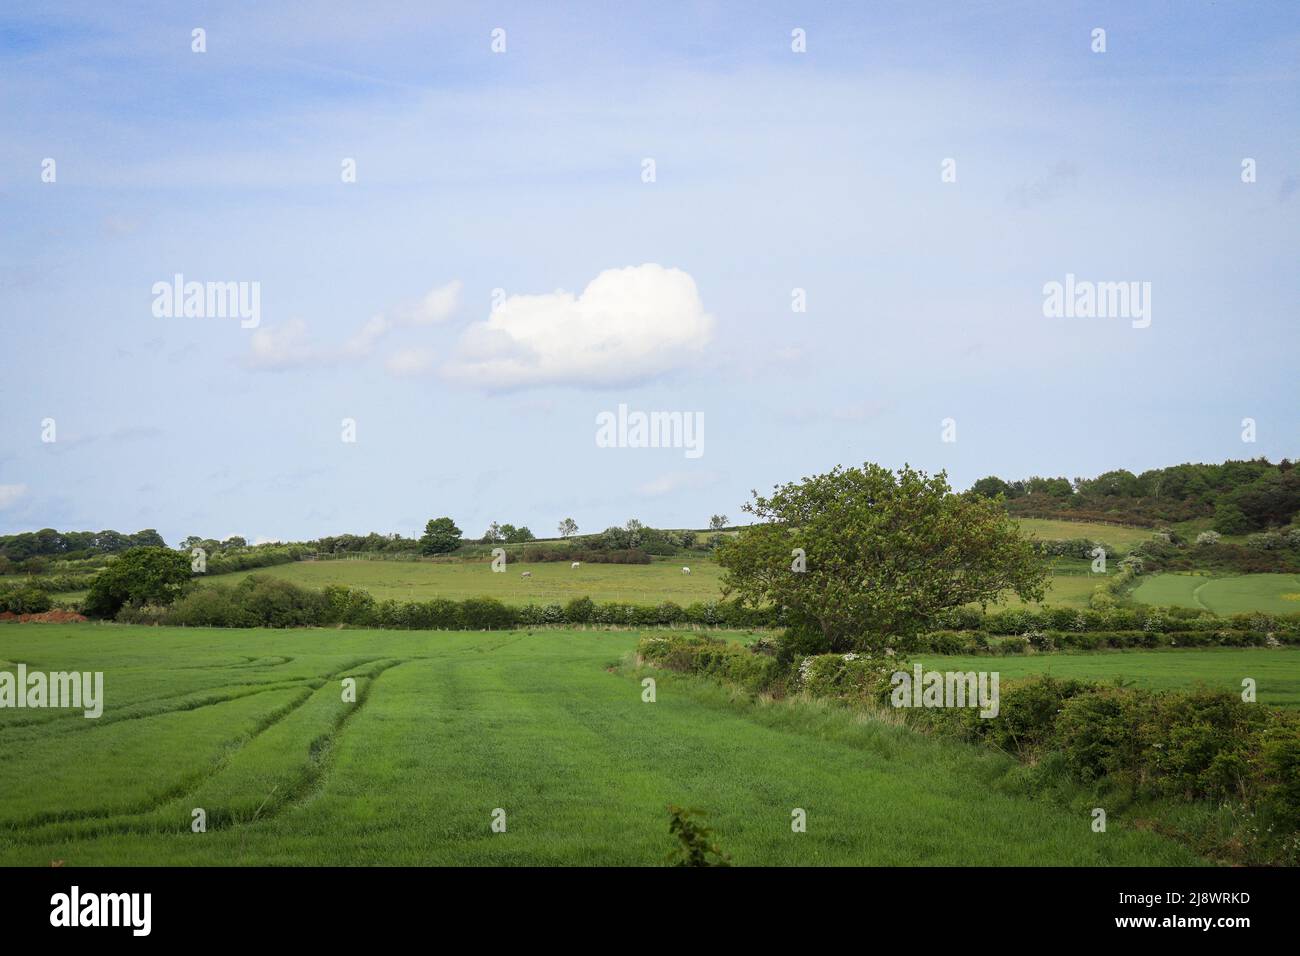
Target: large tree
x,y
882,553
137,577
440,536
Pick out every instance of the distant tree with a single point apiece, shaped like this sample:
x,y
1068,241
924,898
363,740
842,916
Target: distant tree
x,y
1271,500
440,536
568,528
1229,519
718,522
493,534
991,487
148,538
50,542
615,538
235,541
111,542
518,535
1053,487
138,577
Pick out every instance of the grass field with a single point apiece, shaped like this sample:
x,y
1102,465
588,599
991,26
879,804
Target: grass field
x,y
1271,593
1276,671
250,726
557,581
1117,536
550,581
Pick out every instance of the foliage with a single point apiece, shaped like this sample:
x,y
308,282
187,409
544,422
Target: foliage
x,y
139,576
696,846
74,544
440,536
25,599
1241,496
885,555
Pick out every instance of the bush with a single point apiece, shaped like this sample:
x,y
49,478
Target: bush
x,y
486,614
26,600
275,603
579,610
846,676
139,576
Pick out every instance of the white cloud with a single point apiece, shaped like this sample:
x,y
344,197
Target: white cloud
x,y
376,328
283,346
411,361
627,325
288,345
436,306
11,493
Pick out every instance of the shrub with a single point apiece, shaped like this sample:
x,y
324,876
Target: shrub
x,y
271,602
579,610
26,600
846,676
485,614
695,844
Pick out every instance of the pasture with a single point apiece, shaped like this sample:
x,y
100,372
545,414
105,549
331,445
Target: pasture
x,y
661,580
250,726
1120,537
1270,593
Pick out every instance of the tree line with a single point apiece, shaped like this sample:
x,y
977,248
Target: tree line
x,y
1241,496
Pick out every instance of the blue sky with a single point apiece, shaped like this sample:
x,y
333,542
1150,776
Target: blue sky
x,y
522,172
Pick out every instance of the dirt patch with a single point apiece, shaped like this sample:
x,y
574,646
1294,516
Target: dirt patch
x,y
46,617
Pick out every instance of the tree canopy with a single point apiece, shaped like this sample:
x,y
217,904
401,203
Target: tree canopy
x,y
139,576
880,554
440,536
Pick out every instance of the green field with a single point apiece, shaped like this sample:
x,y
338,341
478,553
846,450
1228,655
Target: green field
x,y
557,581
1276,671
1064,590
1120,537
1270,593
249,725
550,581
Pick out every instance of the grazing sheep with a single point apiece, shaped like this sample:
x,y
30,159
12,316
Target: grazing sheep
x,y
575,564
686,570
526,574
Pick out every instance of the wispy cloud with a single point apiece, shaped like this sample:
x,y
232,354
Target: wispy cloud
x,y
289,345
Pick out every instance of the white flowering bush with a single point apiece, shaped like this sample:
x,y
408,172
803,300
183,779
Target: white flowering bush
x,y
857,676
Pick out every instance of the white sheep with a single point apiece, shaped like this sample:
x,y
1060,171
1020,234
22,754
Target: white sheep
x,y
575,564
686,570
526,574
